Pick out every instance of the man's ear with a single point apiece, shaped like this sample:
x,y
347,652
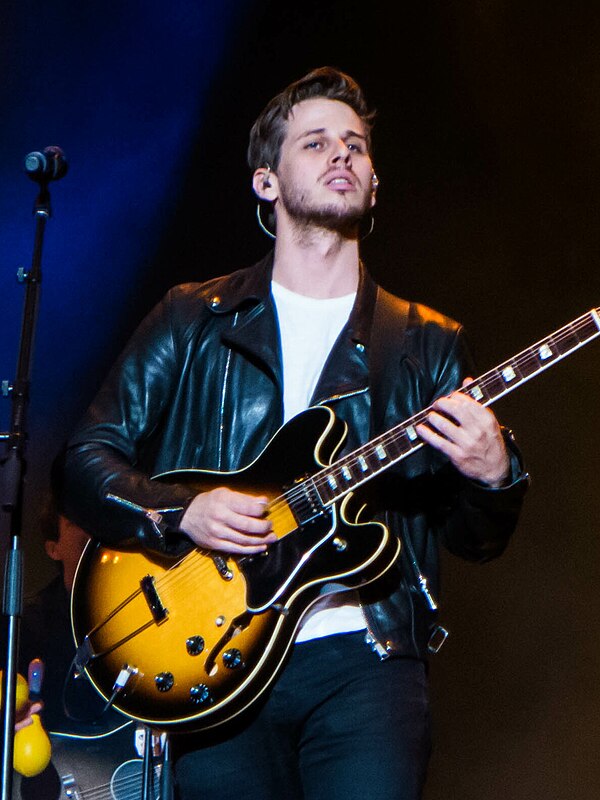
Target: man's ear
x,y
374,187
264,183
51,549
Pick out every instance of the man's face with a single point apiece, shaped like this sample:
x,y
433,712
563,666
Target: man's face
x,y
68,549
325,171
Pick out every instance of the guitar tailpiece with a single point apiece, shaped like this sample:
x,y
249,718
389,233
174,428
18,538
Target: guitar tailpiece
x,y
83,656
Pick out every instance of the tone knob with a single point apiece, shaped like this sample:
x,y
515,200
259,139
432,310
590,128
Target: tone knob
x,y
200,695
194,645
232,658
164,681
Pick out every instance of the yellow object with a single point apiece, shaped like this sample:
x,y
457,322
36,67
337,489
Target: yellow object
x,y
32,749
21,692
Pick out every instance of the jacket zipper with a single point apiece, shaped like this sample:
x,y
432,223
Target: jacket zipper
x,y
222,406
342,396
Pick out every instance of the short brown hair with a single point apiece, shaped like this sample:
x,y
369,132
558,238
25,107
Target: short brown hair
x,y
268,132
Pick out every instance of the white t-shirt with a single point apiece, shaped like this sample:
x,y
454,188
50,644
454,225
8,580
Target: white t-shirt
x,y
309,327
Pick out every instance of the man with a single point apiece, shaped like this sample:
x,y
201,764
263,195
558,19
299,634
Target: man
x,y
207,380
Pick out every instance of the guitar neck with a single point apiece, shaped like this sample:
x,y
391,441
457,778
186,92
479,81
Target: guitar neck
x,y
377,455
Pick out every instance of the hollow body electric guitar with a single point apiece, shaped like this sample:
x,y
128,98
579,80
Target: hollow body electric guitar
x,y
191,644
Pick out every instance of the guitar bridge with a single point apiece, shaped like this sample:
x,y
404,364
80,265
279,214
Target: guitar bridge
x,y
158,611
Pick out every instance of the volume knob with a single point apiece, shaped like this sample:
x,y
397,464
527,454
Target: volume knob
x,y
200,694
232,659
194,645
164,681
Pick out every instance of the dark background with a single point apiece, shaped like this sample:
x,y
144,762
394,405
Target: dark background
x,y
487,149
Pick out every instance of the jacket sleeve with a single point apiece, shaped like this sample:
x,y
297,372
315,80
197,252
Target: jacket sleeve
x,y
476,521
107,489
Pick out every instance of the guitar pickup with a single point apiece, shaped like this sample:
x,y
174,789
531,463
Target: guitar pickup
x,y
157,609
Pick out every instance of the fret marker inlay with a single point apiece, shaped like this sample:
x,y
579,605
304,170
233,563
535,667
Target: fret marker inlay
x,y
476,393
346,473
411,432
508,374
362,463
545,352
381,454
332,482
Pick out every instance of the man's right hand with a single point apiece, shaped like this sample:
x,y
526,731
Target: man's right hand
x,y
228,521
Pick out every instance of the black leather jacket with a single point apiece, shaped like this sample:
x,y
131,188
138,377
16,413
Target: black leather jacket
x,y
200,385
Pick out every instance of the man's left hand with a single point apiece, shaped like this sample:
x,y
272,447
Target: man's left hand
x,y
469,434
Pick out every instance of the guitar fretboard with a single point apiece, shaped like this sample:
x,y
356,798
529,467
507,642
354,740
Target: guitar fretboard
x,y
335,481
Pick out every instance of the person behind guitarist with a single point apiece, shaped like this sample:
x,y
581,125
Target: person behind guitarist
x,y
206,381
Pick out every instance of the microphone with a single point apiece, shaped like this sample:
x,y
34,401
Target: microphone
x,y
35,677
48,165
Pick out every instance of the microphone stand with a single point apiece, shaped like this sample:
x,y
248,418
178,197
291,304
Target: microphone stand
x,y
12,472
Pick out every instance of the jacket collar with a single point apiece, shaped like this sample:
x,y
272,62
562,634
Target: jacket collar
x,y
252,286
248,291
241,289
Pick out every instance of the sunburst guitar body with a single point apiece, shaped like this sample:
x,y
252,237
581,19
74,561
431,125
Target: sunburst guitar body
x,y
191,644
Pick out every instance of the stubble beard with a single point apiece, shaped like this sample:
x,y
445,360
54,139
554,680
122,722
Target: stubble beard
x,y
333,216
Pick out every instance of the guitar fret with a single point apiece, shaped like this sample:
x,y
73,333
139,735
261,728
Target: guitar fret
x,y
393,447
373,462
590,326
408,438
530,363
568,341
492,384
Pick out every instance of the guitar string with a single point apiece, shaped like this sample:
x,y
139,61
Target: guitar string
x,y
278,509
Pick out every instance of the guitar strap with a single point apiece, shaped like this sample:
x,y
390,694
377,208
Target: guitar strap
x,y
386,342
390,319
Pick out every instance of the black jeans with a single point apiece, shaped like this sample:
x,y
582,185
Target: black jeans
x,y
339,724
